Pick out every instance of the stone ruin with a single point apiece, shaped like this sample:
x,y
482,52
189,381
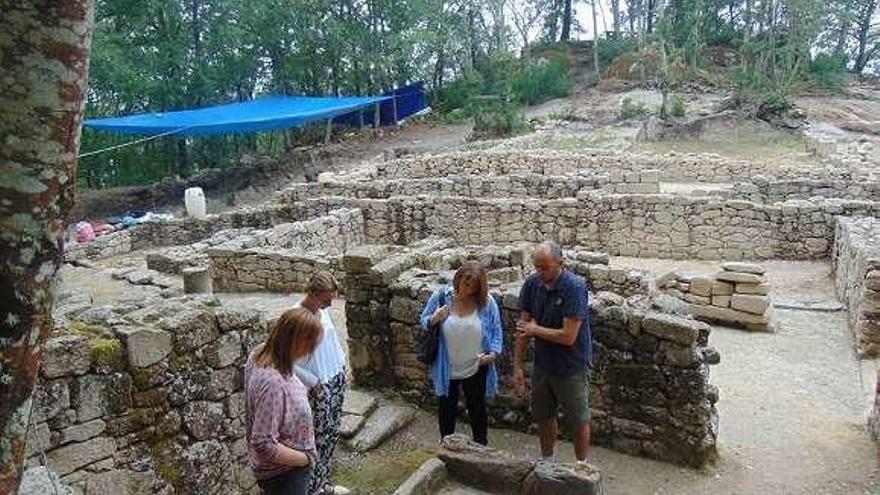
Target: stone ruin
x,y
147,394
738,295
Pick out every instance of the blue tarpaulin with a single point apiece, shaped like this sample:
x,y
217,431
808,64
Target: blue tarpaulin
x,y
264,114
410,100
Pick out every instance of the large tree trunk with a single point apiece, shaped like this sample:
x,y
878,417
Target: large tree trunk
x,y
863,32
44,59
615,14
565,35
595,40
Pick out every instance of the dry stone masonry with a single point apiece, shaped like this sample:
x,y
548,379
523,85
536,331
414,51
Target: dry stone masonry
x,y
738,295
857,279
148,399
650,392
283,258
678,167
148,395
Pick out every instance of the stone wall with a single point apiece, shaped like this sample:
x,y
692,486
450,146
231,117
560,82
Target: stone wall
x,y
656,226
647,225
475,186
185,231
175,258
104,246
147,398
650,391
773,191
283,258
738,295
679,167
874,412
856,259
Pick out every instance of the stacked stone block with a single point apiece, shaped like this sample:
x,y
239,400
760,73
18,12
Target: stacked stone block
x,y
648,366
146,398
764,190
283,258
856,260
679,167
874,412
649,389
175,258
104,246
738,295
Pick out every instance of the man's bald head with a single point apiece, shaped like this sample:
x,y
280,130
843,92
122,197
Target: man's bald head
x,y
548,261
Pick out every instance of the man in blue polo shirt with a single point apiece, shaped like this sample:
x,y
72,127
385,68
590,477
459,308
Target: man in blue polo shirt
x,y
553,312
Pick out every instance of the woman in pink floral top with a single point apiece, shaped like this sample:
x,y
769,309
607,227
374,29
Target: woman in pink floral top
x,y
281,443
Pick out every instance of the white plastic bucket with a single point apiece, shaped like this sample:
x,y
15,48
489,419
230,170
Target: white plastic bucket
x,y
194,198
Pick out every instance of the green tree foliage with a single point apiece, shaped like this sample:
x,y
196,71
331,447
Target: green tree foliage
x,y
161,55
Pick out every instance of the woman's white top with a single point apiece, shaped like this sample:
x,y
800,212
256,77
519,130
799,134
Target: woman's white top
x,y
327,360
464,336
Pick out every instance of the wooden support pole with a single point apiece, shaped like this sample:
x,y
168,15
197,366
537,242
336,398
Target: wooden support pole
x,y
376,117
394,105
328,130
361,114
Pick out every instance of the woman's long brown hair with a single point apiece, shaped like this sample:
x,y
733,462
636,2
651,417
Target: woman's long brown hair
x,y
295,334
473,270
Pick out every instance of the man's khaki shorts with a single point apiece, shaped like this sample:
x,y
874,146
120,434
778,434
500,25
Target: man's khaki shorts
x,y
571,393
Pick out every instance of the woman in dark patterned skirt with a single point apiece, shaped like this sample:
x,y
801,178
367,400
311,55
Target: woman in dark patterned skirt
x,y
323,371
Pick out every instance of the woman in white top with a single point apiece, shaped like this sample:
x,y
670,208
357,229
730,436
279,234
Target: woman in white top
x,y
323,371
470,341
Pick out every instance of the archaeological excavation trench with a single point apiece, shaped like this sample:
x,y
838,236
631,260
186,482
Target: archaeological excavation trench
x,y
141,389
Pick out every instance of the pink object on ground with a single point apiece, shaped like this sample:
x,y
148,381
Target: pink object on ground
x,y
84,233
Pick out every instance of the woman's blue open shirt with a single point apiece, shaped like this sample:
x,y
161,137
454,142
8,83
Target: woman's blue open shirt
x,y
490,319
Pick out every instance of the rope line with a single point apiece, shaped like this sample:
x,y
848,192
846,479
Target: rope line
x,y
130,143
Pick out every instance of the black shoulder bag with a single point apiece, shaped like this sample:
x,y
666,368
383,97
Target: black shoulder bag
x,y
429,338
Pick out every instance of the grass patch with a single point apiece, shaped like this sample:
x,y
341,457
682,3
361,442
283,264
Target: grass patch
x,y
742,144
382,474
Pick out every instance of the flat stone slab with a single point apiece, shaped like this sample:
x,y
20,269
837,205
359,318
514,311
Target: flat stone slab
x,y
740,278
563,479
350,425
381,425
483,467
427,478
357,402
734,266
822,307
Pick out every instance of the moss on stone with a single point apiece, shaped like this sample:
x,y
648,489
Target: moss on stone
x,y
164,461
106,355
383,473
140,377
77,327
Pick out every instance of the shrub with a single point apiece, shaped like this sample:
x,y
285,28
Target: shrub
x,y
541,82
496,118
677,106
828,71
458,92
631,109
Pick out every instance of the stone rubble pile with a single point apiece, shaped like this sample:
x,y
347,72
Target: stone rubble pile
x,y
738,295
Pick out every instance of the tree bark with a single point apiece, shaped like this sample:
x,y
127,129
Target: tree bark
x,y
615,14
565,35
44,59
863,34
595,40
